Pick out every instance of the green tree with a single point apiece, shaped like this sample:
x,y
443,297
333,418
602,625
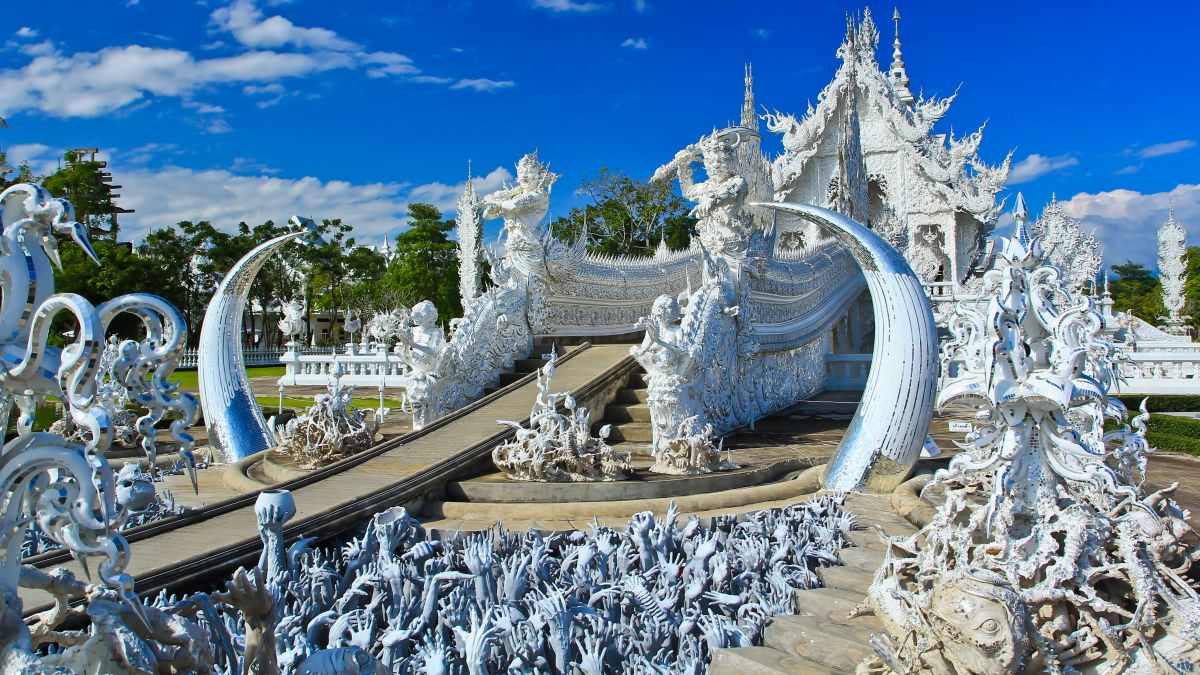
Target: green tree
x,y
426,263
81,183
628,216
1192,289
9,175
1136,288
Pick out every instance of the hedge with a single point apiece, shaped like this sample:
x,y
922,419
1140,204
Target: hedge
x,y
1164,403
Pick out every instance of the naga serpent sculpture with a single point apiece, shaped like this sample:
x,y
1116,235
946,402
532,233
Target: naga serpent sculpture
x,y
236,426
885,437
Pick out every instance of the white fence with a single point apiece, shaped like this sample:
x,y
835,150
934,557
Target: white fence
x,y
364,366
251,357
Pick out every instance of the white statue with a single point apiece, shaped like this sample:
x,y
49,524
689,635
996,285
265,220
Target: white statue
x,y
1172,274
724,228
1047,554
422,347
291,324
352,324
523,207
330,429
558,447
673,365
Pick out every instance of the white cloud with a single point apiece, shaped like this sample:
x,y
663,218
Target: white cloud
x,y
35,49
483,84
1160,149
760,33
635,43
163,197
639,6
246,22
42,159
1036,166
1126,220
569,5
26,32
91,84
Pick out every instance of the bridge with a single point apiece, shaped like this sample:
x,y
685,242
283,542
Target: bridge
x,y
207,544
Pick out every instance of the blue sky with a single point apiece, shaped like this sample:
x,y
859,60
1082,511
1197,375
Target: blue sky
x,y
255,109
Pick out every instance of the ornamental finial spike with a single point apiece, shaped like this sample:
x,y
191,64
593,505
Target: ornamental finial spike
x,y
1021,214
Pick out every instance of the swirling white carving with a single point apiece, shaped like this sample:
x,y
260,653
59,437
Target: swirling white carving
x,y
1048,554
68,488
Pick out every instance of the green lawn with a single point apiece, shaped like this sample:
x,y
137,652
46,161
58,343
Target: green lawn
x,y
189,379
271,405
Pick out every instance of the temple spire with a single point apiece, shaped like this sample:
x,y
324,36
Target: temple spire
x,y
898,73
749,116
1021,215
850,196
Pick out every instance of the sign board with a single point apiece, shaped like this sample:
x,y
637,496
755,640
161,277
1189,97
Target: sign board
x,y
961,427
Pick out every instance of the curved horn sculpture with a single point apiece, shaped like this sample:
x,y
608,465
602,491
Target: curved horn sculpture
x,y
235,423
885,437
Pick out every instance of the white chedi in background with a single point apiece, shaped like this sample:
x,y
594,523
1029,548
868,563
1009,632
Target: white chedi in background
x,y
1047,554
1172,274
1077,254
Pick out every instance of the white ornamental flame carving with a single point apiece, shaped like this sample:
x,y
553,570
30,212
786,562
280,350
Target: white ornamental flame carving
x,y
1048,554
331,429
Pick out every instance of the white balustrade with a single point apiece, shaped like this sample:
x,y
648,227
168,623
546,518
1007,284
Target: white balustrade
x,y
370,366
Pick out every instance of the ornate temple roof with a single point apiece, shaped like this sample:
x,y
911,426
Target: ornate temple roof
x,y
955,172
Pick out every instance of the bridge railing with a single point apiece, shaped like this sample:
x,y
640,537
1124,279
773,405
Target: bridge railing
x,y
847,372
1161,370
250,356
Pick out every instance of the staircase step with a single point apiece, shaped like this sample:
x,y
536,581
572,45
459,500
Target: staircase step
x,y
836,645
868,539
638,432
638,381
830,604
762,661
846,578
618,413
862,558
528,365
508,378
633,396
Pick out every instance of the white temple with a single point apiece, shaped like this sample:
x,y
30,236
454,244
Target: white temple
x,y
929,194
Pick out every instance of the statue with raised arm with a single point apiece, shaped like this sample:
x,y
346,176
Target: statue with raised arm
x,y
523,207
724,228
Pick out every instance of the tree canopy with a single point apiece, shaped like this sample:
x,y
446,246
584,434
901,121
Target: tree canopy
x,y
628,216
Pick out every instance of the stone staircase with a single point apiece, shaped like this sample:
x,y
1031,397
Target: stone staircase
x,y
820,638
521,368
630,417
